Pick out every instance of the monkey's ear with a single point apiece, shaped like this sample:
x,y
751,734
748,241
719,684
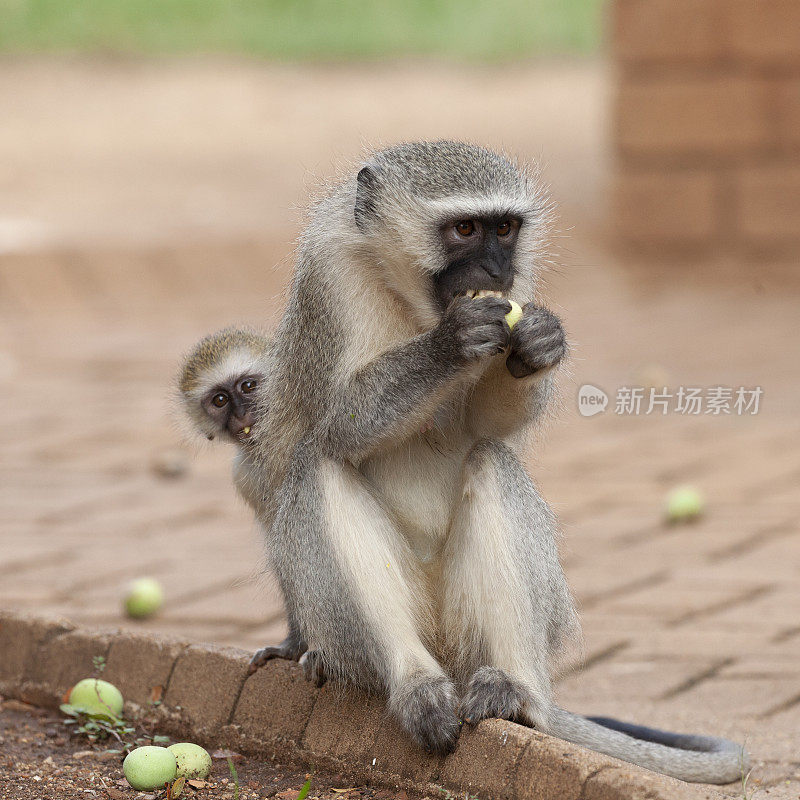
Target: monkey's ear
x,y
367,187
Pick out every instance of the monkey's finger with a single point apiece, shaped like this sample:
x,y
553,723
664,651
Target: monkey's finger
x,y
499,304
493,336
539,315
260,657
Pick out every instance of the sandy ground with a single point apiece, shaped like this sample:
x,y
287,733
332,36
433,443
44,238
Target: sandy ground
x,y
143,205
43,759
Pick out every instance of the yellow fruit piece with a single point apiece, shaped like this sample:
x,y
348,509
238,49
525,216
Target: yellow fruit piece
x,y
515,315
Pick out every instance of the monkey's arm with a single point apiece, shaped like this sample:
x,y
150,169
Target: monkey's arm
x,y
394,395
514,392
389,399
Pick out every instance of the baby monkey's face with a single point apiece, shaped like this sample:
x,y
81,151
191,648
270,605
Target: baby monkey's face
x,y
230,406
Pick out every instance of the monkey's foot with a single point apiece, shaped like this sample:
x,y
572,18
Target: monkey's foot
x,y
491,693
291,648
313,667
426,709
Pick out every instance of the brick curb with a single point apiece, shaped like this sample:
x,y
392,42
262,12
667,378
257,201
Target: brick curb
x,y
208,697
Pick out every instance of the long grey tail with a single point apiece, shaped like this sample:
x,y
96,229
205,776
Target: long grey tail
x,y
699,759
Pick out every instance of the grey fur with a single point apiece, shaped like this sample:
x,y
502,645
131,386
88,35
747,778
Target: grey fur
x,y
539,342
492,693
424,708
205,364
318,595
313,664
699,759
371,388
392,387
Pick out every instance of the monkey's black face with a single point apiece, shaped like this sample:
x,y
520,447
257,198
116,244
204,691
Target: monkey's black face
x,y
480,256
230,406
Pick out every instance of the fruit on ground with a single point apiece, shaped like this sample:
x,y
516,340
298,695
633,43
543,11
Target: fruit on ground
x,y
149,767
193,761
96,698
684,503
144,598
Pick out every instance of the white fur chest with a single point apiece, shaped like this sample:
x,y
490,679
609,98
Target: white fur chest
x,y
419,480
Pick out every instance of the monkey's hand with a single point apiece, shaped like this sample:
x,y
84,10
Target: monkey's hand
x,y
472,329
538,341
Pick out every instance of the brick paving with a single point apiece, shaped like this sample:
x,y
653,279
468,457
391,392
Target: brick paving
x,y
691,627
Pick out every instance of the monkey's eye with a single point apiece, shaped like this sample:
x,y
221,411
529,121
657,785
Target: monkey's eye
x,y
249,386
504,228
465,228
220,400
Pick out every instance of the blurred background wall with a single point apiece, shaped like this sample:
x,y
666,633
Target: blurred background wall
x,y
707,126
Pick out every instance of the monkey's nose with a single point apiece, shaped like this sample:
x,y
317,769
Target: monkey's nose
x,y
494,271
500,271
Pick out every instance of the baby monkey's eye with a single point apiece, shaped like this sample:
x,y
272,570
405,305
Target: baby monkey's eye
x,y
249,386
220,400
465,228
504,228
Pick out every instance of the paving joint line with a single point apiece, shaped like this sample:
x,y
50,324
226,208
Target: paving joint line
x,y
653,579
598,657
592,774
787,704
697,679
761,537
721,605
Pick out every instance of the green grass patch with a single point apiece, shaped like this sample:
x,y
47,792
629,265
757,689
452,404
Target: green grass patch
x,y
481,30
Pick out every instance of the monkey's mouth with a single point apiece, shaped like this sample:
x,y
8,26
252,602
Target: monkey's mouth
x,y
473,293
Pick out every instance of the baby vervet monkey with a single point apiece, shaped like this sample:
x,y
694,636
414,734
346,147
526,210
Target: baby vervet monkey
x,y
218,380
217,387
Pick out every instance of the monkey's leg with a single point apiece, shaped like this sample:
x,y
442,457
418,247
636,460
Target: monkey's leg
x,y
506,608
356,591
505,602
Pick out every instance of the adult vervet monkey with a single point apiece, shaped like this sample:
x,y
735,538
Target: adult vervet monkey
x,y
414,552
